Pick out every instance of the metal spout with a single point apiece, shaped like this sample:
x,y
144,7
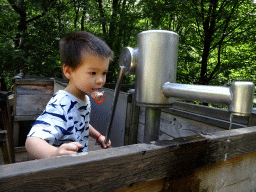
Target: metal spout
x,y
242,98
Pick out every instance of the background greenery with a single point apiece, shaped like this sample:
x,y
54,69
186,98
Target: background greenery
x,y
216,36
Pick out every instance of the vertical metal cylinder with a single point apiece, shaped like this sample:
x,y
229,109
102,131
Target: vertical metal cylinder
x,y
157,64
242,98
152,124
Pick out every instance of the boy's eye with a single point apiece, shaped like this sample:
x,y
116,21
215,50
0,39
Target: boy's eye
x,y
105,73
93,73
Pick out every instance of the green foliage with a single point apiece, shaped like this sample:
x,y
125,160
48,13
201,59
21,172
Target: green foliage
x,y
216,36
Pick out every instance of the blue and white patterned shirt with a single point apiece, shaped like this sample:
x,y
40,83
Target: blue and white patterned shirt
x,y
65,119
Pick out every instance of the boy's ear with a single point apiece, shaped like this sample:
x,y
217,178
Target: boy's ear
x,y
66,71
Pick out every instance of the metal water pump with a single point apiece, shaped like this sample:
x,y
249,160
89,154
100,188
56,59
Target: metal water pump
x,y
154,62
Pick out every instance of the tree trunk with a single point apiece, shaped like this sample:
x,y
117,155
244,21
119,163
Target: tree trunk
x,y
83,18
112,27
209,27
103,22
22,27
77,9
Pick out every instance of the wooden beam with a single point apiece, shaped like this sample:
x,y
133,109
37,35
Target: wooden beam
x,y
117,168
178,108
34,82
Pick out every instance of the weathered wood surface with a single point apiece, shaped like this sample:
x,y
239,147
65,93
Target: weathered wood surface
x,y
31,104
25,118
6,119
31,94
174,126
123,167
132,121
31,99
34,81
234,175
34,90
205,111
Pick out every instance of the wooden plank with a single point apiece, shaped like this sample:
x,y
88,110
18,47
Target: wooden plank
x,y
25,118
117,168
173,126
205,119
19,149
215,113
6,118
29,110
34,82
34,90
16,130
31,105
28,100
236,175
132,120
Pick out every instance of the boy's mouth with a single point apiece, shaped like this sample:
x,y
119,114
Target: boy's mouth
x,y
95,89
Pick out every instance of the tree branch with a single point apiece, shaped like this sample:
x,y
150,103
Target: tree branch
x,y
17,9
102,17
224,34
216,68
35,18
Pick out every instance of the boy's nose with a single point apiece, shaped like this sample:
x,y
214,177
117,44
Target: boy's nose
x,y
100,80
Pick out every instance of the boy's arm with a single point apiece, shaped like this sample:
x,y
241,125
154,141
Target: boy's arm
x,y
96,135
40,149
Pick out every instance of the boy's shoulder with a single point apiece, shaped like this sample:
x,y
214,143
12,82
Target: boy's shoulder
x,y
62,98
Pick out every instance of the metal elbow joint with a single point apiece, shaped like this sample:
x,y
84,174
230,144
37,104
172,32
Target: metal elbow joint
x,y
242,98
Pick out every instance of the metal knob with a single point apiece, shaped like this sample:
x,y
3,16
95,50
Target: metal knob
x,y
128,59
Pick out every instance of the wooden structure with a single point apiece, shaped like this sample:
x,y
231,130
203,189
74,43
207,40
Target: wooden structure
x,y
193,163
31,95
192,154
6,139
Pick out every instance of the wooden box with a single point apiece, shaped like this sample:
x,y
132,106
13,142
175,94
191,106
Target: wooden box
x,y
31,94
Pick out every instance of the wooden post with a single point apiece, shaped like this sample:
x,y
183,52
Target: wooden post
x,y
4,104
132,120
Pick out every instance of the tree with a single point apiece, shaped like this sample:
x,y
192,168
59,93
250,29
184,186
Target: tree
x,y
207,28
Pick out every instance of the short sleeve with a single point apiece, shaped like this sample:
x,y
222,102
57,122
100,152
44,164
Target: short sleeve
x,y
51,124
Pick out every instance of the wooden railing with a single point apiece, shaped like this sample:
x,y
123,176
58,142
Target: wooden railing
x,y
194,163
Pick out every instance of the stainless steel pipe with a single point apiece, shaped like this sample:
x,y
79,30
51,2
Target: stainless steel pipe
x,y
238,97
152,124
208,94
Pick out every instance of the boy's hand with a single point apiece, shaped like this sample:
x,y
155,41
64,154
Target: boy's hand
x,y
68,148
101,141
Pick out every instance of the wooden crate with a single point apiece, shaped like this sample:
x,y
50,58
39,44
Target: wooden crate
x,y
31,94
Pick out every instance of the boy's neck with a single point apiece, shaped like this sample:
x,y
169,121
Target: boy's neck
x,y
79,95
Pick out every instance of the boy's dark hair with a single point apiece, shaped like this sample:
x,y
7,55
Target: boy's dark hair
x,y
75,44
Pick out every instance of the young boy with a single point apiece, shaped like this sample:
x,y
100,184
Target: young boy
x,y
63,128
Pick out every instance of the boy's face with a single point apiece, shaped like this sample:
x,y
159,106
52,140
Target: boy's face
x,y
87,77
